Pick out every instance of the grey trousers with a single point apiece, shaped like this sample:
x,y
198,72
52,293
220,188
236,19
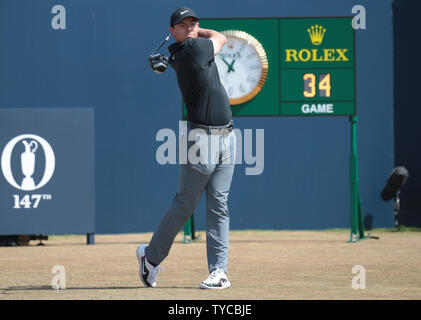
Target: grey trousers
x,y
211,174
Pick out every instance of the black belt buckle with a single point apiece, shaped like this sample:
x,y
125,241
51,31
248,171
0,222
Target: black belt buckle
x,y
230,126
221,129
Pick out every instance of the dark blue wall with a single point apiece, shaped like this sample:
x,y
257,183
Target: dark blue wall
x,y
100,61
407,67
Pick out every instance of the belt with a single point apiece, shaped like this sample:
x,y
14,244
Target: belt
x,y
213,129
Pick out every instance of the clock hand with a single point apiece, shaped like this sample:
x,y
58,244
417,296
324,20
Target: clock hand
x,y
231,66
226,62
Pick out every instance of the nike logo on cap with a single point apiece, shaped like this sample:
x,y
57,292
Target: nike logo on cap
x,y
183,12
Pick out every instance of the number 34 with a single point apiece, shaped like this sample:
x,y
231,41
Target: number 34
x,y
310,85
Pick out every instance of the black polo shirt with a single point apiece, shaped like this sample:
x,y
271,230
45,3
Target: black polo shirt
x,y
206,100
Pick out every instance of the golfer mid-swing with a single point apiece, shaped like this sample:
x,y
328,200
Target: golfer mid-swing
x,y
209,115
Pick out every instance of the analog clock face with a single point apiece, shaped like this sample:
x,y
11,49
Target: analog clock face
x,y
242,66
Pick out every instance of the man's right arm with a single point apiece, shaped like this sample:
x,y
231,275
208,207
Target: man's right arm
x,y
217,38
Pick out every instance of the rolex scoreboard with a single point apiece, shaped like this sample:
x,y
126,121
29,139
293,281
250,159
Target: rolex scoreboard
x,y
287,66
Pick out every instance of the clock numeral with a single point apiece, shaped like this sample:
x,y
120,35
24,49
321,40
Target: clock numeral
x,y
251,79
254,67
243,88
230,43
251,55
243,45
230,91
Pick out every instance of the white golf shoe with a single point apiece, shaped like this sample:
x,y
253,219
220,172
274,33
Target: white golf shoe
x,y
216,280
147,272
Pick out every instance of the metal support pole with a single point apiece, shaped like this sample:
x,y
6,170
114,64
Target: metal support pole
x,y
187,232
90,238
357,226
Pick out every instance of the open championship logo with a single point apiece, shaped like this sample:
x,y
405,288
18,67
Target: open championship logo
x,y
28,160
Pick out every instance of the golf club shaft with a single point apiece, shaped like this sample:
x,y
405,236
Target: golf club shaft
x,y
162,43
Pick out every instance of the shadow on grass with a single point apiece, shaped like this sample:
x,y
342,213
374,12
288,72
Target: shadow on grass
x,y
50,288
